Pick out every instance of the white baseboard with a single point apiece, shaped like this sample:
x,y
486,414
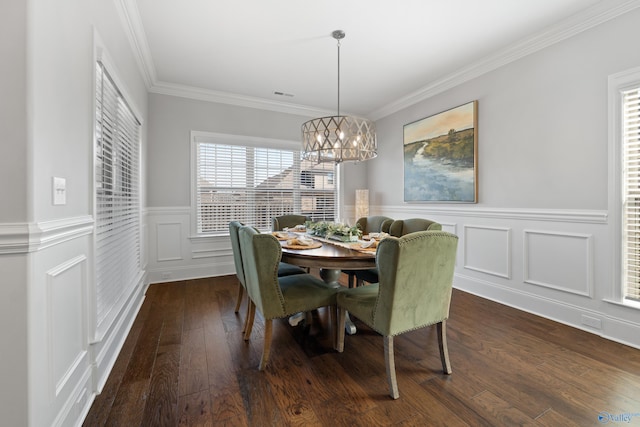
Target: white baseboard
x,y
612,328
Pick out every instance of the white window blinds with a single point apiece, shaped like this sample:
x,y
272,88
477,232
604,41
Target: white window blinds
x,y
117,212
631,192
253,184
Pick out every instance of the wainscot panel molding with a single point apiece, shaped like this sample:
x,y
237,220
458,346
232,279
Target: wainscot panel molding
x,y
562,261
487,250
58,315
66,313
553,263
174,254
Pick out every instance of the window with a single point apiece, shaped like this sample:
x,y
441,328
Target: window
x,y
117,206
245,179
630,135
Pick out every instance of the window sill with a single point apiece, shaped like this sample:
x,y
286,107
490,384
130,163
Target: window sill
x,y
208,237
625,303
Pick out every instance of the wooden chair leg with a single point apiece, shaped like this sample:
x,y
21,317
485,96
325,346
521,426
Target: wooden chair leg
x,y
444,350
251,314
239,297
268,331
391,366
333,327
339,333
246,316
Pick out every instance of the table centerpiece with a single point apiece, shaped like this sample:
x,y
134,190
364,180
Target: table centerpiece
x,y
334,231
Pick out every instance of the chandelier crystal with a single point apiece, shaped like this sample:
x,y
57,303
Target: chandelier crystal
x,y
339,138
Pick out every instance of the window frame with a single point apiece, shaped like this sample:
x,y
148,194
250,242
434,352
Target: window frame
x,y
197,137
617,85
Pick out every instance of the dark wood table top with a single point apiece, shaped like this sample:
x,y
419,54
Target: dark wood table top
x,y
329,256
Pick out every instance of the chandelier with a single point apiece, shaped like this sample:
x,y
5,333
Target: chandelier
x,y
339,138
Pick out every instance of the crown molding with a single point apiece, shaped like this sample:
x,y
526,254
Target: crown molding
x,y
235,99
589,18
130,17
601,12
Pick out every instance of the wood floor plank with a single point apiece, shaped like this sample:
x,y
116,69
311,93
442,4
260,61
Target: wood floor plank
x,y
228,406
161,408
552,418
194,410
128,406
193,376
500,410
185,363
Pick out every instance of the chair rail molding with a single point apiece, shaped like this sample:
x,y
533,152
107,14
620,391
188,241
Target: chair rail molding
x,y
555,215
21,238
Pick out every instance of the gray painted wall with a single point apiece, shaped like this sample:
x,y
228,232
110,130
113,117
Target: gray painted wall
x,y
542,124
172,118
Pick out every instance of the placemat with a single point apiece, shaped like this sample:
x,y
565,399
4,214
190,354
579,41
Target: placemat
x,y
314,245
358,247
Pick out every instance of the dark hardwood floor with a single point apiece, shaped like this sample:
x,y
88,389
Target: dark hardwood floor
x,y
185,363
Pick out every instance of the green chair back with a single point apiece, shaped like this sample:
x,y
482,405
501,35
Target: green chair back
x,y
374,224
415,281
261,255
400,227
279,223
234,228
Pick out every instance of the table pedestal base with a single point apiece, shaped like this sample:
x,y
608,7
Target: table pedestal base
x,y
332,277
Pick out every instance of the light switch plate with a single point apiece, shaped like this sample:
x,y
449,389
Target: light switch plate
x,y
59,191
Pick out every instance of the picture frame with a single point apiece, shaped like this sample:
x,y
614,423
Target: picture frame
x,y
441,156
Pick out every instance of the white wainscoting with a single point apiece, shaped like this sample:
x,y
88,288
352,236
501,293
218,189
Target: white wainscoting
x,y
553,263
173,254
66,369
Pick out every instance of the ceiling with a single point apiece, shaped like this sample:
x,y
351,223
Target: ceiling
x,y
394,54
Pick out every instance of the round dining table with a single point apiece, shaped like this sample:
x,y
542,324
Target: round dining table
x,y
331,258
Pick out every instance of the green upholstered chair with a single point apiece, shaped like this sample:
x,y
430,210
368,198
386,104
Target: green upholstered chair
x,y
234,227
400,227
279,223
284,269
397,228
414,291
368,224
273,296
374,224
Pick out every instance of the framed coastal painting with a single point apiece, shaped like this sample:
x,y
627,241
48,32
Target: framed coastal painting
x,y
441,157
